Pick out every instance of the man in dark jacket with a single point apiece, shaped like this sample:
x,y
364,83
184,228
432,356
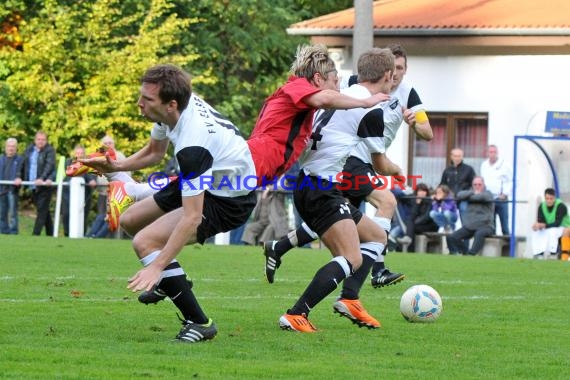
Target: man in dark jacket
x,y
10,162
39,167
479,220
458,176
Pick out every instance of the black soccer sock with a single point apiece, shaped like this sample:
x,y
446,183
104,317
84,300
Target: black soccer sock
x,y
352,285
284,245
298,238
324,283
175,286
180,292
379,265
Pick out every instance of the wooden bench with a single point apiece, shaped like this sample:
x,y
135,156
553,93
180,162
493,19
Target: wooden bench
x,y
500,245
431,242
495,245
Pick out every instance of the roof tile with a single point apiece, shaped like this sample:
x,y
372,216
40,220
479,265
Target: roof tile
x,y
453,14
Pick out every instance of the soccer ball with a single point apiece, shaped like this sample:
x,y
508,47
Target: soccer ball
x,y
421,303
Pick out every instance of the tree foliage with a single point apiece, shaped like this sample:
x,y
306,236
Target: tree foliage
x,y
75,73
76,76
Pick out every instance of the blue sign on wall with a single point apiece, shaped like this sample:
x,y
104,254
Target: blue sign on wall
x,y
557,122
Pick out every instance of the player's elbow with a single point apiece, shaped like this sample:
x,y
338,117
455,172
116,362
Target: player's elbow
x,y
426,133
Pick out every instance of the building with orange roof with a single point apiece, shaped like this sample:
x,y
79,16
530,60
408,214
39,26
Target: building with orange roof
x,y
487,71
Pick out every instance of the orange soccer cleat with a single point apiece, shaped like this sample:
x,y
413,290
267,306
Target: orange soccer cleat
x,y
353,310
78,168
298,323
117,202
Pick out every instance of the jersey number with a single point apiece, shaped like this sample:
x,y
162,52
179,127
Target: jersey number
x,y
321,121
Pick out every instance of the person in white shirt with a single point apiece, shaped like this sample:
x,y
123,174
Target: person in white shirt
x,y
405,106
499,181
355,241
208,197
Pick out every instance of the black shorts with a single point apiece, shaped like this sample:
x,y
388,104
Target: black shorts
x,y
321,204
220,214
359,180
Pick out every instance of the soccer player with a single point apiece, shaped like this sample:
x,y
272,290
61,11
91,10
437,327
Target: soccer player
x,y
285,121
283,125
359,163
350,236
206,144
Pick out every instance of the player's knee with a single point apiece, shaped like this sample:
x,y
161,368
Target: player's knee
x,y
355,262
138,243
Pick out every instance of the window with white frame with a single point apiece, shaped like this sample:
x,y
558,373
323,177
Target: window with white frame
x,y
467,131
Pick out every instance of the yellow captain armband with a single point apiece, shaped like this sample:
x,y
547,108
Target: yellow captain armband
x,y
421,117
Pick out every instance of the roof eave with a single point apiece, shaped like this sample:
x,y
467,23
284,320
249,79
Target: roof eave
x,y
435,32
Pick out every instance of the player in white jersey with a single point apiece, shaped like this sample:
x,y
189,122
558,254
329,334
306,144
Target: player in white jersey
x,y
347,233
405,103
211,195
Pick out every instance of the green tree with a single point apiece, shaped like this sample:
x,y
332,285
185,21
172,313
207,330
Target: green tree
x,y
77,74
244,45
77,70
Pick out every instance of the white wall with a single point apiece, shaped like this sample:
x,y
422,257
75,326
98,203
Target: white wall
x,y
516,92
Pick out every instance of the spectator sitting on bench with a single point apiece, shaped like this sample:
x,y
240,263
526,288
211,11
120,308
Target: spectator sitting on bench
x,y
419,220
444,209
404,203
552,217
479,219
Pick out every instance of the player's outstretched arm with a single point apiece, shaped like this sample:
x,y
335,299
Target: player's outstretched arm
x,y
333,99
149,155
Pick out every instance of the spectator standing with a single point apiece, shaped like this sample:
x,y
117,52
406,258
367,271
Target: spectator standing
x,y
100,227
479,219
551,218
10,162
458,176
499,181
108,142
443,209
90,183
39,167
270,219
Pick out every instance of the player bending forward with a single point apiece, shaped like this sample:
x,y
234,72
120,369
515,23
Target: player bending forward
x,y
355,241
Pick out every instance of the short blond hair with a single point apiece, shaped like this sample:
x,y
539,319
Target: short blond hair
x,y
312,59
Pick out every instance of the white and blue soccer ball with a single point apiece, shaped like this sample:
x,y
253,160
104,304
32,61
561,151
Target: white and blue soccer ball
x,y
421,303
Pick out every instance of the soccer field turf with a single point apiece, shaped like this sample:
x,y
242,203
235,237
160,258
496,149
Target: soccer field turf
x,y
66,314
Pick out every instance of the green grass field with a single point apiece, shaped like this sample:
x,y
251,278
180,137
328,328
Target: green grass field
x,y
65,313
